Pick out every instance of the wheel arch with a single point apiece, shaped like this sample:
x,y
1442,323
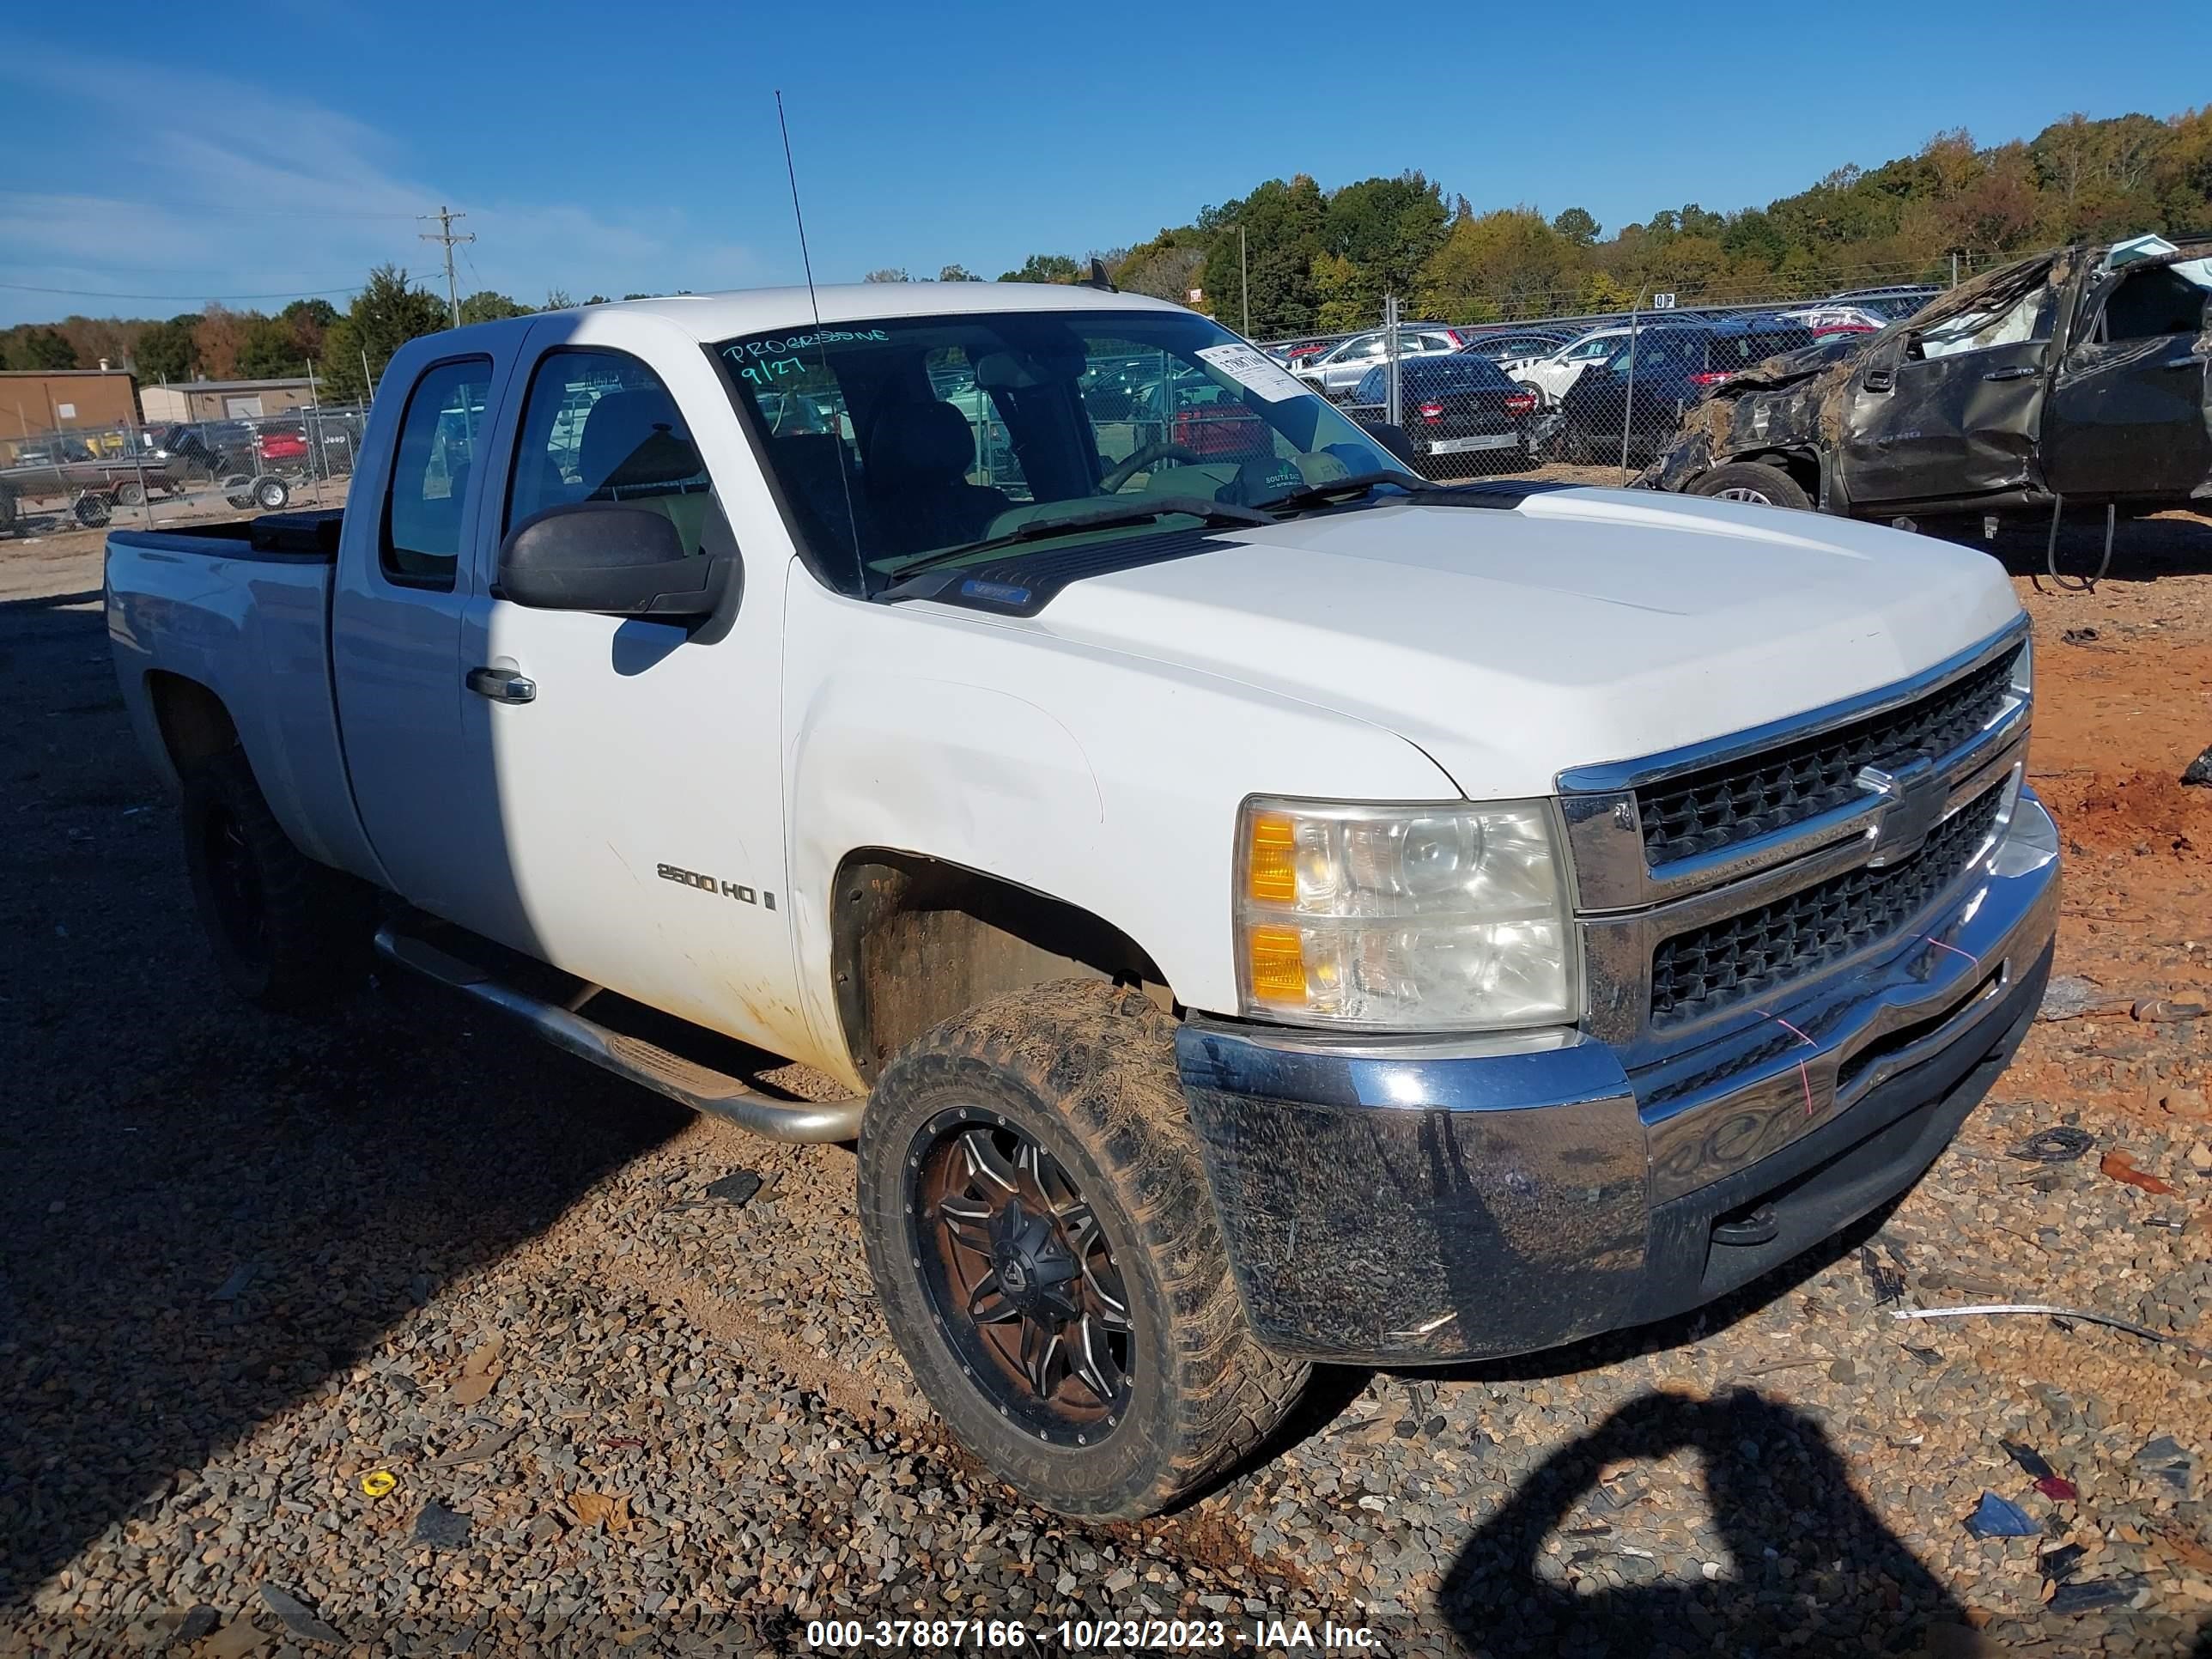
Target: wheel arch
x,y
915,939
194,723
1801,463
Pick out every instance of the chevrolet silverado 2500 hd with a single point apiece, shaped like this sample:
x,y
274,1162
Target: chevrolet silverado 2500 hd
x,y
1264,907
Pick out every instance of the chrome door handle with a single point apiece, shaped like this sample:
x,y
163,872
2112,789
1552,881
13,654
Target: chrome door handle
x,y
500,686
2016,373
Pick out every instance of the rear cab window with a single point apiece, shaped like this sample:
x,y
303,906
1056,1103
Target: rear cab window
x,y
425,507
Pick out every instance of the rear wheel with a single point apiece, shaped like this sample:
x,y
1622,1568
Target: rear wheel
x,y
270,493
91,509
289,934
1754,482
130,493
1038,1228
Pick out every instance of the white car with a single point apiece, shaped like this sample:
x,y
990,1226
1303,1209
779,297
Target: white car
x,y
1259,908
1337,373
1550,376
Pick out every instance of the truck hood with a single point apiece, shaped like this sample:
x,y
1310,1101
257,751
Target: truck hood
x,y
1582,626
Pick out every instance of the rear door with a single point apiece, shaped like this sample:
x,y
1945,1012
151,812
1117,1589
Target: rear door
x,y
396,625
2129,414
1953,413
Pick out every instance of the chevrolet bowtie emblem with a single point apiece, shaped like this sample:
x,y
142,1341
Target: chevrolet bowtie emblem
x,y
1912,798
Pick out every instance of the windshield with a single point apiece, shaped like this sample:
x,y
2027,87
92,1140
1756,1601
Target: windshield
x,y
903,441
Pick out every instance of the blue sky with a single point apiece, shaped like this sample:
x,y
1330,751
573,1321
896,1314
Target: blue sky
x,y
271,149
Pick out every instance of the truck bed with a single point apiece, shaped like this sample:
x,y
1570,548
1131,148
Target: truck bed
x,y
242,607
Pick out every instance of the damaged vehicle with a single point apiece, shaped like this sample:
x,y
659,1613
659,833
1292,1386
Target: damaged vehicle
x,y
2079,376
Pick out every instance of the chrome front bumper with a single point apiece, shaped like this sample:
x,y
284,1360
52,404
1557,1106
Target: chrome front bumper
x,y
1402,1201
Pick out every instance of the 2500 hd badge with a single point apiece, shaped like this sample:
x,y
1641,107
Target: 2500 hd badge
x,y
707,884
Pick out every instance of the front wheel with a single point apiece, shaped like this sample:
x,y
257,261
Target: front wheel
x,y
1753,481
1039,1230
270,492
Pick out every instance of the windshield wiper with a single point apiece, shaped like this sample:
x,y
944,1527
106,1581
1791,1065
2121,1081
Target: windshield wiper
x,y
1151,509
1321,495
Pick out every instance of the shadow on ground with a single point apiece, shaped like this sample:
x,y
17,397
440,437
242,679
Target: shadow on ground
x,y
209,1210
1808,1558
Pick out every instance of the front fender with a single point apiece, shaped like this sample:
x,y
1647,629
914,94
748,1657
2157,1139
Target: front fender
x,y
1108,782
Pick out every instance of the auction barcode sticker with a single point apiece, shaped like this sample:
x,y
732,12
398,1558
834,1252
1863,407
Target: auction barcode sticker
x,y
1253,368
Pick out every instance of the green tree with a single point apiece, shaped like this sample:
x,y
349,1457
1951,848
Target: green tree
x,y
165,351
486,306
888,274
1577,226
40,348
269,350
387,312
1281,224
1044,268
956,273
1388,229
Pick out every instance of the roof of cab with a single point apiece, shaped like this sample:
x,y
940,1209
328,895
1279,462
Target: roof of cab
x,y
710,317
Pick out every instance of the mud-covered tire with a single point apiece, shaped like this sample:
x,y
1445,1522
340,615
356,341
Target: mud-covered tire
x,y
1756,481
289,934
1088,1072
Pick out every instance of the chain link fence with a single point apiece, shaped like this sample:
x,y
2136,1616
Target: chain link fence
x,y
1590,389
81,477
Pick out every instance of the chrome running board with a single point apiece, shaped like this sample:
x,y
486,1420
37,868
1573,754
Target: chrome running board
x,y
686,1082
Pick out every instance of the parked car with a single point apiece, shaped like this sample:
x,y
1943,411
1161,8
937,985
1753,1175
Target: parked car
x,y
1656,374
1550,375
1460,413
2064,375
1830,318
1259,911
1890,304
1336,373
1500,345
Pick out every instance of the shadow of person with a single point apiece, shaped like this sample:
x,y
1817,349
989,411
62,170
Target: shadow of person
x,y
1811,1568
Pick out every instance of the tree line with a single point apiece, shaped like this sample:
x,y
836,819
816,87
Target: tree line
x,y
1314,261
343,350
1289,257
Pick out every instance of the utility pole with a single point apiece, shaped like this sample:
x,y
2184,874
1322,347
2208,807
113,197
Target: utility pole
x,y
445,216
1245,276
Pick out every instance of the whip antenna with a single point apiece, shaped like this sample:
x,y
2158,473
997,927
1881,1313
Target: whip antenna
x,y
806,263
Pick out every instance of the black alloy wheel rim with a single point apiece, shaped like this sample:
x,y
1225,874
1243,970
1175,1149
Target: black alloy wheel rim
x,y
240,908
1020,1277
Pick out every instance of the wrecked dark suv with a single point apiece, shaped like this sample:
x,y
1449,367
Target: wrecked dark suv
x,y
2080,375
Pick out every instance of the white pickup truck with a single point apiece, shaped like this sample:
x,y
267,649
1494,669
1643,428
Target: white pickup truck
x,y
1266,908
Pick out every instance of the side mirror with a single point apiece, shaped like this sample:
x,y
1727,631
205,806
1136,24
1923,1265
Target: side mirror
x,y
1392,438
614,557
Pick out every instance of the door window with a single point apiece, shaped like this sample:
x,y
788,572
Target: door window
x,y
599,426
424,509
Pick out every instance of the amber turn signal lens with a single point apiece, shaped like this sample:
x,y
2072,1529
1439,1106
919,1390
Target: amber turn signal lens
x,y
1279,965
1273,866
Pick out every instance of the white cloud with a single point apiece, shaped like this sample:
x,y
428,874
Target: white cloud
x,y
199,186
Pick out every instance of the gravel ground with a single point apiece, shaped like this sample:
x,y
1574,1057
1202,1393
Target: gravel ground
x,y
439,1344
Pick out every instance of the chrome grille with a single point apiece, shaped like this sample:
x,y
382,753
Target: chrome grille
x,y
1755,951
1706,810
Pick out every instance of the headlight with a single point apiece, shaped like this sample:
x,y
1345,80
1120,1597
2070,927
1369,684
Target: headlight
x,y
1444,917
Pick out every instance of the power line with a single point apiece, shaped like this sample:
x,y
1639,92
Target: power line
x,y
102,293
168,203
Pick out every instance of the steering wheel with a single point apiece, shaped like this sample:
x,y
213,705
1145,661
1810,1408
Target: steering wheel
x,y
1111,482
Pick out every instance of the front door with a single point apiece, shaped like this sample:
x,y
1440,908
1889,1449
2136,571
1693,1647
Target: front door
x,y
641,785
2129,414
1954,412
